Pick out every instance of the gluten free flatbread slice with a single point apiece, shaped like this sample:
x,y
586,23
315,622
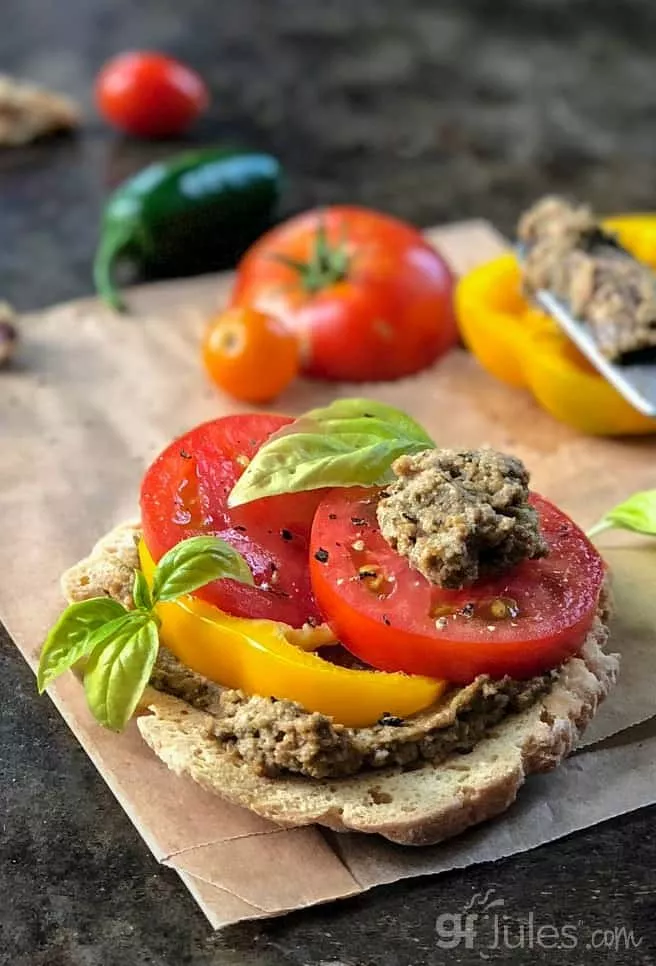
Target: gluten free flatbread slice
x,y
421,806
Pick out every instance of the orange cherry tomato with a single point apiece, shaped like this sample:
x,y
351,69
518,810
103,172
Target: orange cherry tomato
x,y
251,355
149,94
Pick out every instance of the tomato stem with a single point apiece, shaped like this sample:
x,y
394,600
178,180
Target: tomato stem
x,y
328,263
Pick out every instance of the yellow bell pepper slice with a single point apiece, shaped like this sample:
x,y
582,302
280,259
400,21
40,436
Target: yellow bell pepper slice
x,y
525,348
256,657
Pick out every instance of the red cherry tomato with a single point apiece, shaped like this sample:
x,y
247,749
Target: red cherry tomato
x,y
150,95
250,355
184,494
367,295
390,616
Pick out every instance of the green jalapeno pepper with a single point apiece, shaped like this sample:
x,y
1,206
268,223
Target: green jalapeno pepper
x,y
193,212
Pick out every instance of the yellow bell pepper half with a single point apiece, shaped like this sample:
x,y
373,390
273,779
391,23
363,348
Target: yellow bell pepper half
x,y
525,348
255,656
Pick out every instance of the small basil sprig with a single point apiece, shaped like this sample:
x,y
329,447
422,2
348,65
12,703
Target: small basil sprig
x,y
638,513
120,645
352,442
194,563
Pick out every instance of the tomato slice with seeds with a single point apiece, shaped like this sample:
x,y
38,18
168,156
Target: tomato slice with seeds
x,y
184,494
521,624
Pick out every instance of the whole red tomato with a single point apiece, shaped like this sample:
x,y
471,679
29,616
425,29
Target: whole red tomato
x,y
367,296
149,94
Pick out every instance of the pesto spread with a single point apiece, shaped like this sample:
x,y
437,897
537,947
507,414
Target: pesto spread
x,y
613,294
276,736
458,515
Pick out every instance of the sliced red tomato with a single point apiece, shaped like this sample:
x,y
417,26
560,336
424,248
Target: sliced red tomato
x,y
390,616
184,494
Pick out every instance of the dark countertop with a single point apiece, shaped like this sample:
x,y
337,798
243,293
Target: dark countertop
x,y
434,111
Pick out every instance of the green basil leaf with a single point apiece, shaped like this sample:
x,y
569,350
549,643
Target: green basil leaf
x,y
71,637
195,562
141,592
309,462
375,413
638,513
352,442
119,668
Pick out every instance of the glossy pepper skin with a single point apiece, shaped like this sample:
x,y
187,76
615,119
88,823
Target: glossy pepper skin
x,y
255,656
525,348
193,212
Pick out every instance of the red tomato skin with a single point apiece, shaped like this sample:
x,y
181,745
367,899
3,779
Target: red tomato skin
x,y
397,633
391,317
150,95
184,493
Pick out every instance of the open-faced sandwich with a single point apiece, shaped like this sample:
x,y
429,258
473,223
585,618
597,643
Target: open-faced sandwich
x,y
332,620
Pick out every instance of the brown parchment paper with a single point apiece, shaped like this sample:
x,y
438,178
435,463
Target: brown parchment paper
x,y
93,398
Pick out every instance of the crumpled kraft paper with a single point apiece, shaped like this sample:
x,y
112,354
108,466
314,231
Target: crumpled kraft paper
x,y
95,396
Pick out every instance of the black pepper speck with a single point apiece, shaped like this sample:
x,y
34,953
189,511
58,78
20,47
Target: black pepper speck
x,y
390,720
321,555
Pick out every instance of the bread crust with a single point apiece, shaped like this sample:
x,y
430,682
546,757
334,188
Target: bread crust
x,y
421,806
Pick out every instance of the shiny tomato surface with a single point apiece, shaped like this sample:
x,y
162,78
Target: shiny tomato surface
x,y
184,494
250,355
390,616
368,297
149,94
